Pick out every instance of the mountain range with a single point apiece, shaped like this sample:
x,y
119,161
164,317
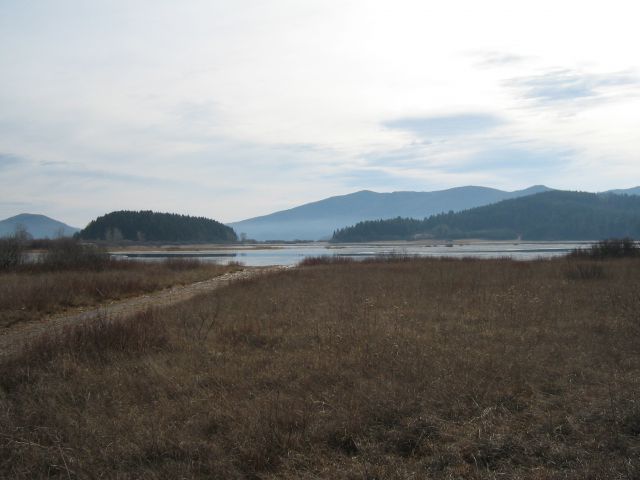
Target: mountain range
x,y
318,220
38,226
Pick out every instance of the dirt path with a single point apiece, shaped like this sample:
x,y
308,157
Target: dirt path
x,y
14,337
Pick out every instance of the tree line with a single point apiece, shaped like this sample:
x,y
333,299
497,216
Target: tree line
x,y
554,215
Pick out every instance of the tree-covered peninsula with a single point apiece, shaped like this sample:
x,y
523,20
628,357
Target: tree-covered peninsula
x,y
155,226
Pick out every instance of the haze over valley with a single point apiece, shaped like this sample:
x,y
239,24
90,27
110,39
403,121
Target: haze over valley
x,y
318,220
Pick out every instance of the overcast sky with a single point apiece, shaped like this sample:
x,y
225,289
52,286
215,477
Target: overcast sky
x,y
232,109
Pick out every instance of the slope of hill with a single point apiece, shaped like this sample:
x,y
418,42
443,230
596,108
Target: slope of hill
x,y
38,226
318,220
554,215
626,191
154,226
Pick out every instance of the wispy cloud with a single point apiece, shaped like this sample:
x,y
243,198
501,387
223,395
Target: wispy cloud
x,y
484,158
561,86
446,125
503,157
197,113
494,59
14,204
9,160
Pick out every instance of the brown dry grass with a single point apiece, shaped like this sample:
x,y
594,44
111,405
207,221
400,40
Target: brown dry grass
x,y
377,370
33,291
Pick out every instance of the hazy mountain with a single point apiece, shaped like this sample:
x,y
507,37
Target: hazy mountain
x,y
553,215
627,191
318,220
39,226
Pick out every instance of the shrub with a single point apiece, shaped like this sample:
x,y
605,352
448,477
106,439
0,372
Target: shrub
x,y
69,253
12,248
59,254
610,248
11,253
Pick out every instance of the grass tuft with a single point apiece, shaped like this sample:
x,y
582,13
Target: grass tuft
x,y
610,248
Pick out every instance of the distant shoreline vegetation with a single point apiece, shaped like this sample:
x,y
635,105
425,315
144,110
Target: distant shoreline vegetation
x,y
554,215
149,226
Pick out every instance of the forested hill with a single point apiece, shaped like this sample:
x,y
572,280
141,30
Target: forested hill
x,y
153,226
316,220
553,215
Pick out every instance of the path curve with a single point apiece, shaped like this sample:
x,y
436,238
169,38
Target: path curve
x,y
14,337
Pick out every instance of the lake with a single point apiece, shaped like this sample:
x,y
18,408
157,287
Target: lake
x,y
263,255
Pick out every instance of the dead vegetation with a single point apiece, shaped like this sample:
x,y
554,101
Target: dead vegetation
x,y
376,370
31,291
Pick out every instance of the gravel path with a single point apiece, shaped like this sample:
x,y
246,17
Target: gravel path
x,y
14,337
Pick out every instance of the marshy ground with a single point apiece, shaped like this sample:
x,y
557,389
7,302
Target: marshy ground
x,y
405,368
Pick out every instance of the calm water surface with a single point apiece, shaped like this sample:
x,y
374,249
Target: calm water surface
x,y
292,254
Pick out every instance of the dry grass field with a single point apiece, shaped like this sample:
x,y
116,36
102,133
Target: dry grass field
x,y
31,292
446,369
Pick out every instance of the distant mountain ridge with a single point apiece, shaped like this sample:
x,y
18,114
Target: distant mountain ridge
x,y
552,215
318,220
38,226
627,191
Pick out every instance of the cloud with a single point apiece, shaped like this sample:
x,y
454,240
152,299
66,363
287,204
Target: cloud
x,y
197,113
15,204
446,125
236,109
498,59
47,163
8,160
561,86
372,177
506,157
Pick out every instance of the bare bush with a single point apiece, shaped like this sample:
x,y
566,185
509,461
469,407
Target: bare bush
x,y
610,248
12,249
